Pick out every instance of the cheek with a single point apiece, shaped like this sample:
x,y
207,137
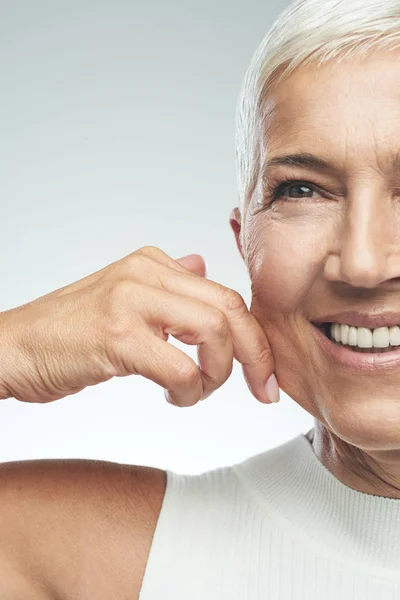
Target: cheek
x,y
283,262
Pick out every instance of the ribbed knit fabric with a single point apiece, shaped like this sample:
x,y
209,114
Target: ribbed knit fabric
x,y
277,526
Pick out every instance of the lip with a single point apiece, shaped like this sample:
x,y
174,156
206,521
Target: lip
x,y
351,361
357,319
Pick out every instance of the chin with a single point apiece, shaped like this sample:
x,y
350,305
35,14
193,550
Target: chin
x,y
369,422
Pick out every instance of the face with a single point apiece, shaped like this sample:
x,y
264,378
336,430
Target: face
x,y
329,241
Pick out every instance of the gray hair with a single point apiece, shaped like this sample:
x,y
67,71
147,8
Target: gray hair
x,y
307,31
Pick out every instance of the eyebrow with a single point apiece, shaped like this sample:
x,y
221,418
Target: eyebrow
x,y
306,160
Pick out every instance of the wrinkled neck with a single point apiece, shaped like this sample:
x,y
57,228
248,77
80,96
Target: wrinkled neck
x,y
376,472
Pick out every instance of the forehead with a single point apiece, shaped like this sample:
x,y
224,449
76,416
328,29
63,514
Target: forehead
x,y
350,109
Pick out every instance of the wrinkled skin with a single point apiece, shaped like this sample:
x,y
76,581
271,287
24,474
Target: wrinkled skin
x,y
331,246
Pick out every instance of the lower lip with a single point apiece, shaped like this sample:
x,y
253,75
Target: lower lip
x,y
358,361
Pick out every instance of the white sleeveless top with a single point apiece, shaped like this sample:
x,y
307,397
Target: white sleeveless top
x,y
278,526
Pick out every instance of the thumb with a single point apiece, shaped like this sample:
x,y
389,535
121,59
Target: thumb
x,y
195,263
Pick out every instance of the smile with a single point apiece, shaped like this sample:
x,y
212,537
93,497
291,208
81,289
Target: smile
x,y
362,338
359,348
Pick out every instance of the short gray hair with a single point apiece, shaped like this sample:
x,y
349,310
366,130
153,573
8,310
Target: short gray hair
x,y
307,31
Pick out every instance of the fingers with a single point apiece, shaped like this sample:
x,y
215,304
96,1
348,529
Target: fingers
x,y
191,322
153,267
195,263
250,343
192,263
172,369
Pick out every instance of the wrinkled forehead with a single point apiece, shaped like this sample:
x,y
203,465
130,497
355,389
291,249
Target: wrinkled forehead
x,y
348,111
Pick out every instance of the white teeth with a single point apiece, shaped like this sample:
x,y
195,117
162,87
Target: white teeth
x,y
344,334
352,336
382,337
364,337
336,332
394,333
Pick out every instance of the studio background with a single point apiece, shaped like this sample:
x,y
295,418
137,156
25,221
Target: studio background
x,y
117,131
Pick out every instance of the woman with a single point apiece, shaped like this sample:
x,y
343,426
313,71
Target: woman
x,y
319,229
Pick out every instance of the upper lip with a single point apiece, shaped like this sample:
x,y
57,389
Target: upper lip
x,y
357,319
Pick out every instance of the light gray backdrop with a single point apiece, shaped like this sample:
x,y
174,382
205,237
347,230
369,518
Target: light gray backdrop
x,y
117,131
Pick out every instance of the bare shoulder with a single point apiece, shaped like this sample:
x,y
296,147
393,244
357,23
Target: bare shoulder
x,y
76,528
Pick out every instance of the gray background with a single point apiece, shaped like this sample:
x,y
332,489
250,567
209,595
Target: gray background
x,y
117,131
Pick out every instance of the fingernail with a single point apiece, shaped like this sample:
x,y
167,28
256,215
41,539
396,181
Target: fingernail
x,y
272,389
168,398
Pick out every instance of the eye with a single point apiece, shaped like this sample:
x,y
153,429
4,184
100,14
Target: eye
x,y
293,190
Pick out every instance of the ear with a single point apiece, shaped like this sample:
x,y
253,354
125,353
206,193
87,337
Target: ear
x,y
235,221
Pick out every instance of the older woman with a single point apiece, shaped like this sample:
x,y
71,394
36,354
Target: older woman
x,y
319,229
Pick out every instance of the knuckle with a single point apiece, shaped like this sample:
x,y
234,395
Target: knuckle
x,y
218,324
120,291
132,265
264,355
233,301
149,251
117,303
215,381
184,374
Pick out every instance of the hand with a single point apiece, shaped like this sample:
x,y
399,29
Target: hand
x,y
117,321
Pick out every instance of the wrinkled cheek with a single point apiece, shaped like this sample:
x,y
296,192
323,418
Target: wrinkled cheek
x,y
277,277
279,284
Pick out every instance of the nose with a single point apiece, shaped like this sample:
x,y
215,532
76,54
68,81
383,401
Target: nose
x,y
367,244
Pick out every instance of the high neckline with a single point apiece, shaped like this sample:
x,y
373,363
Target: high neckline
x,y
290,481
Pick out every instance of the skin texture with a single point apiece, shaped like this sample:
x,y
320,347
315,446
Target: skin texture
x,y
332,247
76,529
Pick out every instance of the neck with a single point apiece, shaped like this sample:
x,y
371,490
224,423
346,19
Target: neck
x,y
374,472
